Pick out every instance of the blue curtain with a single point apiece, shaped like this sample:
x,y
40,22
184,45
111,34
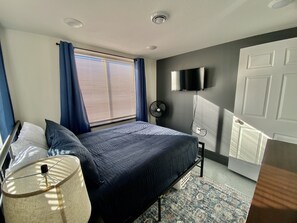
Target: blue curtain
x,y
73,112
141,107
6,112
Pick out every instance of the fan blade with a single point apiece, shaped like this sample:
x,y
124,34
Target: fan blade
x,y
157,114
162,106
153,106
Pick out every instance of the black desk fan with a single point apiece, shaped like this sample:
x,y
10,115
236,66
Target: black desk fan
x,y
157,109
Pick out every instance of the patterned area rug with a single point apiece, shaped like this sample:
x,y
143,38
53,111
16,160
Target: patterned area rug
x,y
202,200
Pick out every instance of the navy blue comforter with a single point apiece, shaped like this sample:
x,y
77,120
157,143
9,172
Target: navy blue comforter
x,y
137,162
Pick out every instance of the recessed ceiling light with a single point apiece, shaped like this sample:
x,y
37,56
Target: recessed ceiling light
x,y
276,4
152,47
159,17
74,23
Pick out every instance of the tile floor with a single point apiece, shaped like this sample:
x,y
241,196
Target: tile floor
x,y
222,175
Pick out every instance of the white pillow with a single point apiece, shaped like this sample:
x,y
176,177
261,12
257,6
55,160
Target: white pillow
x,y
27,156
22,144
33,133
30,135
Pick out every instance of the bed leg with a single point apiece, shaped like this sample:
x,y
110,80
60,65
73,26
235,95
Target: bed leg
x,y
201,168
202,161
159,209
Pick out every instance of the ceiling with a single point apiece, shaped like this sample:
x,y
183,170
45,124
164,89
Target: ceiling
x,y
125,25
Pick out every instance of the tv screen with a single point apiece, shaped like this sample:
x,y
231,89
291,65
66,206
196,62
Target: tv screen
x,y
188,80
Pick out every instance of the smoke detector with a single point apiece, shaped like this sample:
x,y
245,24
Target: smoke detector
x,y
159,17
151,47
74,23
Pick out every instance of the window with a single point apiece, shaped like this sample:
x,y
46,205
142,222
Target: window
x,y
108,86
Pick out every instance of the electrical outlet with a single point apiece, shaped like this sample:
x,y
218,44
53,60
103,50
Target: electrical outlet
x,y
198,130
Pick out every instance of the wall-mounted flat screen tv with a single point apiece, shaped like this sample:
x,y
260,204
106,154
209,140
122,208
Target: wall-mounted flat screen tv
x,y
188,80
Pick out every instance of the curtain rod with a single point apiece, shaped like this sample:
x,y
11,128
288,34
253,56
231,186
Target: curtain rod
x,y
58,44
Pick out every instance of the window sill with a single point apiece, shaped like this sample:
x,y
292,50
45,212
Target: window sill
x,y
110,123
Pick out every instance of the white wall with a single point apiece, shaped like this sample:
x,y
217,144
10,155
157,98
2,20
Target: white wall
x,y
32,69
151,84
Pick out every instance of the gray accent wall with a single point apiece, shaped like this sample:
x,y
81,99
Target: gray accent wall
x,y
221,63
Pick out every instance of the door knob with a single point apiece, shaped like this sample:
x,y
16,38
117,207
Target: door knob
x,y
239,121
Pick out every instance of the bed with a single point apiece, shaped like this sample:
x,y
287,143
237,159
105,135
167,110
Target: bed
x,y
136,164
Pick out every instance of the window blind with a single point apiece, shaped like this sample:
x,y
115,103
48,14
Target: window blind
x,y
108,86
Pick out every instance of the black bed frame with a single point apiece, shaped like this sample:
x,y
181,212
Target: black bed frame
x,y
4,161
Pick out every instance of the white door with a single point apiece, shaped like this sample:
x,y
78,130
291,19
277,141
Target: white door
x,y
266,95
